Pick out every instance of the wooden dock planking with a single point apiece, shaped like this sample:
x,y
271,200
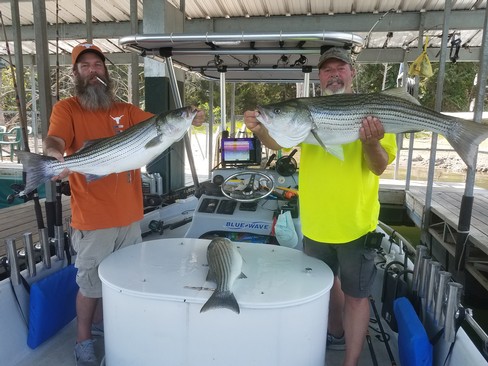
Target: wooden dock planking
x,y
446,203
445,208
20,219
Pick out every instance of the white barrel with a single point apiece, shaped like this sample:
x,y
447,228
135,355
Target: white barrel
x,y
153,293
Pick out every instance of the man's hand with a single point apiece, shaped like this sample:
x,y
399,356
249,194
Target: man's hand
x,y
199,118
252,123
371,130
58,156
54,147
370,134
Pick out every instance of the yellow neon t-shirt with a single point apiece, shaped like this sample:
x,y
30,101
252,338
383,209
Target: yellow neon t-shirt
x,y
339,199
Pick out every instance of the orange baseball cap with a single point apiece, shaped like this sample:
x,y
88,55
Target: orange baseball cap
x,y
85,47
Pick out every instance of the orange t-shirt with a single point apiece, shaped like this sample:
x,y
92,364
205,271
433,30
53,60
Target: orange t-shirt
x,y
114,200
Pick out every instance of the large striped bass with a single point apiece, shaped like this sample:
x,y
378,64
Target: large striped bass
x,y
336,119
225,265
128,150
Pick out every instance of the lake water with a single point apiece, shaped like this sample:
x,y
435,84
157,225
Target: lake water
x,y
440,175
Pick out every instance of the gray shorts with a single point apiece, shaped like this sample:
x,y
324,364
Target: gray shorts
x,y
93,246
352,262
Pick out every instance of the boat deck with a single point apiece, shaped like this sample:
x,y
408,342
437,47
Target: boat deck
x,y
444,217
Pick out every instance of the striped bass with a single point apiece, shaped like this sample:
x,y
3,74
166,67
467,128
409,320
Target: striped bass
x,y
225,265
128,150
334,120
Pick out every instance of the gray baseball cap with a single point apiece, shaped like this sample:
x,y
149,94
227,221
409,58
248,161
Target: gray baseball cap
x,y
337,53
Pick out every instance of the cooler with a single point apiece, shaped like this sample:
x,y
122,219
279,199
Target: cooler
x,y
153,293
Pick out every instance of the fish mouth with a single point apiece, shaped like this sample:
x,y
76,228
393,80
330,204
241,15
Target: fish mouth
x,y
262,116
191,111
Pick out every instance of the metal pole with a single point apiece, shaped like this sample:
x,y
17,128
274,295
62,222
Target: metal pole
x,y
134,66
29,253
232,110
13,262
467,200
411,139
88,19
438,107
210,152
441,297
45,247
453,302
306,80
177,97
223,111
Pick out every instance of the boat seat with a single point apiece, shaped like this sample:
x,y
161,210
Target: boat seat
x,y
414,347
52,305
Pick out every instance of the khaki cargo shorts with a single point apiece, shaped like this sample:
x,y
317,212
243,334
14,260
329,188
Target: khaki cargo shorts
x,y
93,246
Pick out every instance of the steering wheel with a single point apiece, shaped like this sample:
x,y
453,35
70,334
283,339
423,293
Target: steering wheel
x,y
247,186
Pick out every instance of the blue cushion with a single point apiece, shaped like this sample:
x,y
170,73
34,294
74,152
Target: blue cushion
x,y
414,347
52,305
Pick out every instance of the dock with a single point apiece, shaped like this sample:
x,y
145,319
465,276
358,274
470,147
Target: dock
x,y
443,229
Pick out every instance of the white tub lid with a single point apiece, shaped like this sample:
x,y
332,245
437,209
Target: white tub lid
x,y
176,270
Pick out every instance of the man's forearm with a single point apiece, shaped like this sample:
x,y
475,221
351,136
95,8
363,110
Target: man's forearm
x,y
263,136
53,146
376,157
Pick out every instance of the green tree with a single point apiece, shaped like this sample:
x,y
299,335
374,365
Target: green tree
x,y
369,77
458,87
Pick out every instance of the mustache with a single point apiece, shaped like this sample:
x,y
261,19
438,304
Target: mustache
x,y
335,79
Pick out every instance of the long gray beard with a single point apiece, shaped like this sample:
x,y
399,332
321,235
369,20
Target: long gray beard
x,y
94,97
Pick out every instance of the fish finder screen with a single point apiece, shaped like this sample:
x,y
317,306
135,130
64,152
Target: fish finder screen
x,y
241,151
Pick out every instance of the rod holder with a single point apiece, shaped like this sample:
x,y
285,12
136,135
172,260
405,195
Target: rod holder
x,y
441,297
432,282
423,275
29,252
421,251
453,301
59,241
45,247
13,262
69,234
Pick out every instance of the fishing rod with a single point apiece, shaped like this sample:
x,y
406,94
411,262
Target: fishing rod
x,y
368,36
384,336
23,121
25,146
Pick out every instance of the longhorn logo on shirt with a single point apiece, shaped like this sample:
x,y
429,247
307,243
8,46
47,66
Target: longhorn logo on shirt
x,y
118,127
117,119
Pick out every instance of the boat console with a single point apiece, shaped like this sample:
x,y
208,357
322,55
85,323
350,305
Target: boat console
x,y
243,205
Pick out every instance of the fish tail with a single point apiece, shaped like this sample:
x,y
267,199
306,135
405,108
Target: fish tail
x,y
466,138
36,168
221,299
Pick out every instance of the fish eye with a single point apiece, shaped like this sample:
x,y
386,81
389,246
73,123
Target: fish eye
x,y
277,110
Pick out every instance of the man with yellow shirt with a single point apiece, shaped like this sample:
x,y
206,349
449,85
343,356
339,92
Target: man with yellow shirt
x,y
105,212
339,208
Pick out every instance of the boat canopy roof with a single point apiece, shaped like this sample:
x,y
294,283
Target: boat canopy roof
x,y
275,56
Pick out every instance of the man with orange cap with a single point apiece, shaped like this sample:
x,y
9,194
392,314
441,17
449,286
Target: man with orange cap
x,y
105,212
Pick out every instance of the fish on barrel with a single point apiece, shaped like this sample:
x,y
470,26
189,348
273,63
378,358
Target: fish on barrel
x,y
225,266
128,150
331,121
